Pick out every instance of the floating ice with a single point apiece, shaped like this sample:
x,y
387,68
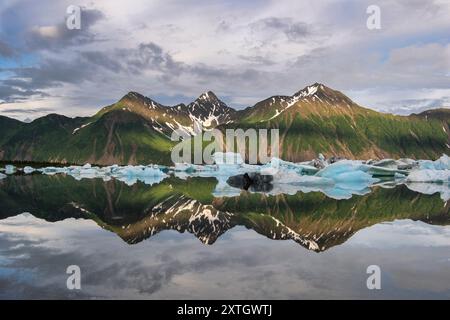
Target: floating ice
x,y
431,188
2,176
339,179
52,170
429,175
28,170
10,169
227,158
131,174
276,164
443,163
334,170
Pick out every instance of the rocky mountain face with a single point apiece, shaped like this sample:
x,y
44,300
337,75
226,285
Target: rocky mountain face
x,y
206,112
137,129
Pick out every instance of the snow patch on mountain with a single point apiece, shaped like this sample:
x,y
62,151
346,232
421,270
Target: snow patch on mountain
x,y
83,126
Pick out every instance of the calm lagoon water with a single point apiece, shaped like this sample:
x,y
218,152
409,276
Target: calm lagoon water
x,y
175,240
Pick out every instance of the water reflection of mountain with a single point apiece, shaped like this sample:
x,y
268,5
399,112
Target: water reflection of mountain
x,y
137,212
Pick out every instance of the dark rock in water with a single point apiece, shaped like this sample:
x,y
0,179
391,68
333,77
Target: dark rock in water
x,y
252,181
318,163
334,159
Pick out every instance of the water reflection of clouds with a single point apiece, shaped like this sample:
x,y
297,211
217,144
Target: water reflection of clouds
x,y
241,264
411,233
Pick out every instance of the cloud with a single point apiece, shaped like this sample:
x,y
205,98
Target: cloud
x,y
11,93
24,111
51,72
408,106
103,60
244,52
150,56
59,36
258,60
293,30
5,50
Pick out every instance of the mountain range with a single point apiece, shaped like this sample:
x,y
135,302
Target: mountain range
x,y
137,129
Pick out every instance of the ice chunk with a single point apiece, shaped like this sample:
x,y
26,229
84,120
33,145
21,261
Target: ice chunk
x,y
276,164
334,170
429,175
355,176
227,158
431,188
383,171
132,174
10,169
185,167
53,170
2,176
386,163
443,163
28,170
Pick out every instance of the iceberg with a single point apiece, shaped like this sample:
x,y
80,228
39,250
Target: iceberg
x,y
276,164
443,163
338,179
52,170
10,169
334,170
431,188
227,158
383,171
348,171
429,175
131,174
184,167
28,170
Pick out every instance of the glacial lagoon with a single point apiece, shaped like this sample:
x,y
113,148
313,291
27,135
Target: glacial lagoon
x,y
184,235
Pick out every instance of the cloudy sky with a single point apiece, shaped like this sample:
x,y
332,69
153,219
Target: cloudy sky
x,y
172,51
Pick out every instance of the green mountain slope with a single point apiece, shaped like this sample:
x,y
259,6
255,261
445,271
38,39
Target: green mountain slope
x,y
114,137
137,130
319,119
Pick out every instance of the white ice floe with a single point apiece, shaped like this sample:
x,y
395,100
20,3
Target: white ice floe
x,y
431,188
10,169
429,175
28,170
443,163
129,174
221,158
339,180
277,164
2,176
52,170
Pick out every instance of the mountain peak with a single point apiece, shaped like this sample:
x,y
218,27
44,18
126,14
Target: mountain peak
x,y
208,96
311,90
134,95
136,99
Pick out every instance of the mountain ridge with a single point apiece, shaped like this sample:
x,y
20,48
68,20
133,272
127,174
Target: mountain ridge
x,y
137,129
